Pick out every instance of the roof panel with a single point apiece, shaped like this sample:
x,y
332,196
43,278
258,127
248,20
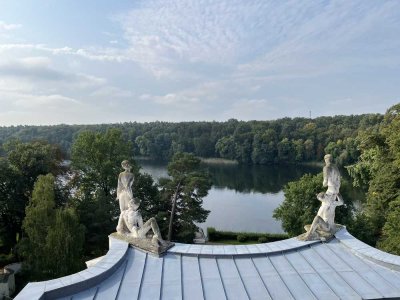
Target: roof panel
x,y
109,288
292,279
363,288
365,271
151,281
191,278
131,282
85,295
171,281
329,275
274,283
233,284
251,278
213,286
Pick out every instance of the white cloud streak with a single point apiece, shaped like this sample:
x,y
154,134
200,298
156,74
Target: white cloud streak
x,y
8,27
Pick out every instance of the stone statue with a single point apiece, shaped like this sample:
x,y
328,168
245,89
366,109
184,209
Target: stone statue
x,y
323,225
130,222
124,188
331,176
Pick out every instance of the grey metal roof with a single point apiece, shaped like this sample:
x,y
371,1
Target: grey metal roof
x,y
344,268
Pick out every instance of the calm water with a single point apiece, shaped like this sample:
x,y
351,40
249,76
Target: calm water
x,y
242,198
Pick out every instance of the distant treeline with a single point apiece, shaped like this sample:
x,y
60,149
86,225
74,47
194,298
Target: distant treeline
x,y
251,142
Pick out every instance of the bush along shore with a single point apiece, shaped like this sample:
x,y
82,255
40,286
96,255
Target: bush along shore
x,y
229,237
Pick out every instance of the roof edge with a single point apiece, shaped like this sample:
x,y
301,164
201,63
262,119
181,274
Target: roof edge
x,y
80,281
368,252
240,250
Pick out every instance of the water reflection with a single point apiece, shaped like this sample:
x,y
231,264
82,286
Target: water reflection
x,y
242,178
261,179
242,198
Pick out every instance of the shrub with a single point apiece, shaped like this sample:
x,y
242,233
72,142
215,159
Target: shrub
x,y
216,235
242,238
262,239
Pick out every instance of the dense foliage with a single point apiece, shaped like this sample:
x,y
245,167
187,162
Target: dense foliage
x,y
54,238
20,165
378,168
96,163
257,142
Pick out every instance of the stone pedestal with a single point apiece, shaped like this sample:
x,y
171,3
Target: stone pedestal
x,y
319,235
146,244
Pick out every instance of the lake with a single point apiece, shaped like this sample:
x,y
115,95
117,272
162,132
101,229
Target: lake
x,y
242,197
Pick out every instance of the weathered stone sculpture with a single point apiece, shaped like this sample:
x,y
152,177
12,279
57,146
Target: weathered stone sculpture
x,y
124,188
323,225
130,223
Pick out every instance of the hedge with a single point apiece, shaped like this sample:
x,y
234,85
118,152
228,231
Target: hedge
x,y
216,235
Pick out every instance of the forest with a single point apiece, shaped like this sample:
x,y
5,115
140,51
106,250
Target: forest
x,y
58,183
284,140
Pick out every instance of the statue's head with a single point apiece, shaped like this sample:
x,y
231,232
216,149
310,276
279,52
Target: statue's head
x,y
126,165
328,159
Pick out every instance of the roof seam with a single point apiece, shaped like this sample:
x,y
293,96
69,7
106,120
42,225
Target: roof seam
x,y
162,277
122,279
369,268
95,294
141,278
333,270
220,277
181,269
372,285
349,271
284,256
240,276
316,272
272,264
201,277
262,280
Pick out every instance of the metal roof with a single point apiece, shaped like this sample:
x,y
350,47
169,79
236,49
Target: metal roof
x,y
343,268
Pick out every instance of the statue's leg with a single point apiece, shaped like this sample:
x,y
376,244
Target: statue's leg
x,y
144,229
120,226
155,228
314,226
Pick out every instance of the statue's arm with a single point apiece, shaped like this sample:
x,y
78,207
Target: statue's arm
x,y
140,221
339,200
325,172
119,186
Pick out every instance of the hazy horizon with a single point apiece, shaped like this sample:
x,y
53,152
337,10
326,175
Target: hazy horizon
x,y
96,61
183,121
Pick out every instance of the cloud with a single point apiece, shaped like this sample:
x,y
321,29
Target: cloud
x,y
170,99
250,109
7,26
203,59
111,91
39,68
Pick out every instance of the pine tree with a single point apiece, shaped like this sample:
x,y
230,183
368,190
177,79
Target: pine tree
x,y
185,191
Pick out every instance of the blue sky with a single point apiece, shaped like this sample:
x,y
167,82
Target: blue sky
x,y
98,61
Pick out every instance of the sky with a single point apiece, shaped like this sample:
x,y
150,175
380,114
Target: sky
x,y
100,61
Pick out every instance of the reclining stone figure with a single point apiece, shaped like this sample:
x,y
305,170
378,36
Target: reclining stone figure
x,y
131,223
